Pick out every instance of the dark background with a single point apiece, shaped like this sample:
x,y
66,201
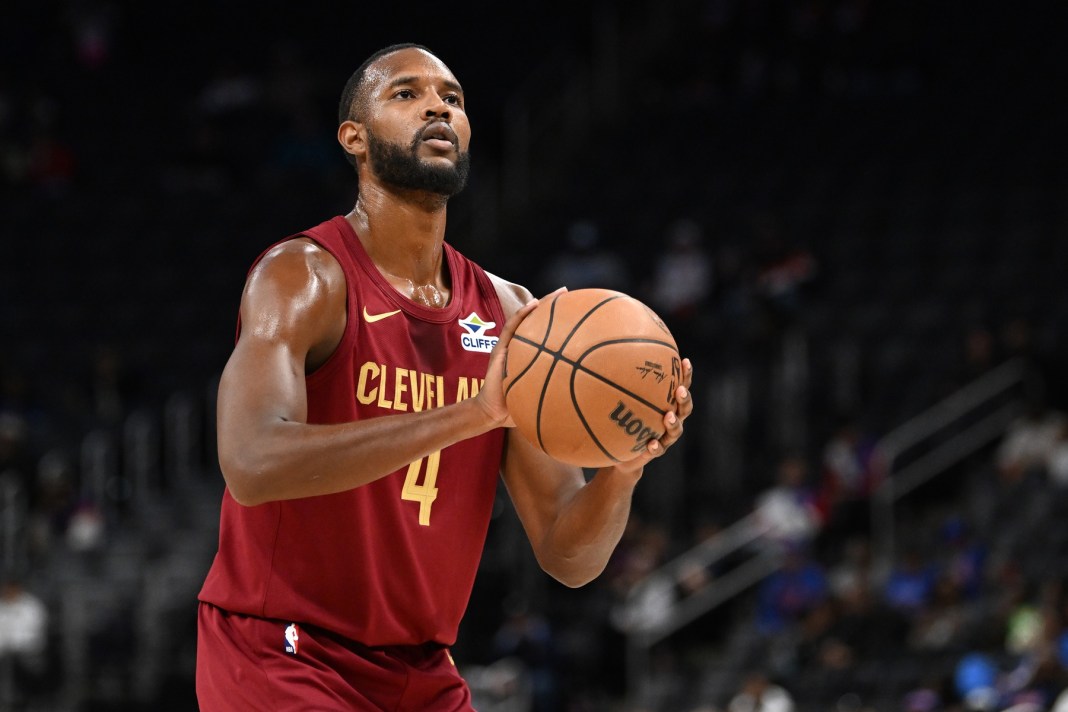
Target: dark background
x,y
908,158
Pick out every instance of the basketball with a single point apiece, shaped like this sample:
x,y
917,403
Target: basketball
x,y
589,376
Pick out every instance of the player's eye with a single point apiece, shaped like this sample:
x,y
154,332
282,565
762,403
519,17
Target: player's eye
x,y
405,94
452,99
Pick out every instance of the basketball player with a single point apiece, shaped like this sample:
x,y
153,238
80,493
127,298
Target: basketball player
x,y
361,429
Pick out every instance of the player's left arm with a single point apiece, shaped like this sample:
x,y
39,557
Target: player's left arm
x,y
574,525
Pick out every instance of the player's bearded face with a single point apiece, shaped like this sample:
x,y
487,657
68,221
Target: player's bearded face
x,y
402,167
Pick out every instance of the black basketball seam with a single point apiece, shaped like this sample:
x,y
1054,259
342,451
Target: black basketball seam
x,y
586,316
577,366
585,423
549,375
540,347
559,356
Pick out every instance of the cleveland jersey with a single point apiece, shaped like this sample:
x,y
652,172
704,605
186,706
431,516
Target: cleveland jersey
x,y
392,562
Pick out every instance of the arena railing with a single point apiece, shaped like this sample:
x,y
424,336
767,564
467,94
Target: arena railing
x,y
949,431
937,439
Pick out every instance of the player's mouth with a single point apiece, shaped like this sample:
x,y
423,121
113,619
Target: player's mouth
x,y
440,135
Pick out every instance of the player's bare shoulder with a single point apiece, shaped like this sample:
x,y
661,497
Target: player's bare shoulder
x,y
297,291
298,264
513,296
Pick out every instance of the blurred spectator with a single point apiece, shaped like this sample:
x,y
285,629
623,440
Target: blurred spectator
x,y
910,584
50,163
926,697
785,272
854,567
871,629
86,528
111,385
790,508
946,622
1057,460
759,693
963,556
54,503
632,596
92,25
17,397
819,648
584,262
24,624
980,354
840,636
682,276
789,593
527,636
1031,440
231,90
1018,338
643,596
1025,625
976,680
15,456
231,102
502,686
849,476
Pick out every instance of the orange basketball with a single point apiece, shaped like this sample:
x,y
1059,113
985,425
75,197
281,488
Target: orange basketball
x,y
589,376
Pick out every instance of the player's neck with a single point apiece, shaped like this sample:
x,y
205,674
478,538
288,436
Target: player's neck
x,y
405,215
402,238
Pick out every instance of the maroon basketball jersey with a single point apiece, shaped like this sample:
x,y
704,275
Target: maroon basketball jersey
x,y
392,562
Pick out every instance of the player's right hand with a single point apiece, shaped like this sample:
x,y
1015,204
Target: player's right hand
x,y
491,395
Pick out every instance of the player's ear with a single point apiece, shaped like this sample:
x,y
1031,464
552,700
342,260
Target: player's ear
x,y
353,138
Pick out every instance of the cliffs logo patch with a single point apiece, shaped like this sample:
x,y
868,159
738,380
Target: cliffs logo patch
x,y
476,338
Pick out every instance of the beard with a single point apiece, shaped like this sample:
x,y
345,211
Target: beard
x,y
401,167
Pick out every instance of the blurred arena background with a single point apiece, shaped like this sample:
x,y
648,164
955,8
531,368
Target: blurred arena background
x,y
852,213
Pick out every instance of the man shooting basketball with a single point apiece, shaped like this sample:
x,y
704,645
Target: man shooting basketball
x,y
360,436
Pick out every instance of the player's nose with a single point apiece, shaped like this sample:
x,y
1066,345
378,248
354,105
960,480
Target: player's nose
x,y
438,108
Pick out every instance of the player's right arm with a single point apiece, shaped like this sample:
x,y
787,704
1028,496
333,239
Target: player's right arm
x,y
293,313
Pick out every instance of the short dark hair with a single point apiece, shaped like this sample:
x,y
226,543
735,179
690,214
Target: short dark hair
x,y
353,97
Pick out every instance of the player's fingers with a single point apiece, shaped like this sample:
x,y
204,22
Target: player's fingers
x,y
658,446
672,421
672,429
684,402
653,449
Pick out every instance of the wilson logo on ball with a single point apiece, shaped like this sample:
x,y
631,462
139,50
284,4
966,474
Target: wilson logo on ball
x,y
634,427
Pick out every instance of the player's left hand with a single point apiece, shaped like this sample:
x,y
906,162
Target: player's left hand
x,y
673,424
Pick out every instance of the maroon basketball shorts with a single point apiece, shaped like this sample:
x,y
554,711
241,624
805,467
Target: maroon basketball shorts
x,y
247,664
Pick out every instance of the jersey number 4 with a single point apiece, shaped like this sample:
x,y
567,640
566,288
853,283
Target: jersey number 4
x,y
425,493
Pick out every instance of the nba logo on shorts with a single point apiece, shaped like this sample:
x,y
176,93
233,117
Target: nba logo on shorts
x,y
292,638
